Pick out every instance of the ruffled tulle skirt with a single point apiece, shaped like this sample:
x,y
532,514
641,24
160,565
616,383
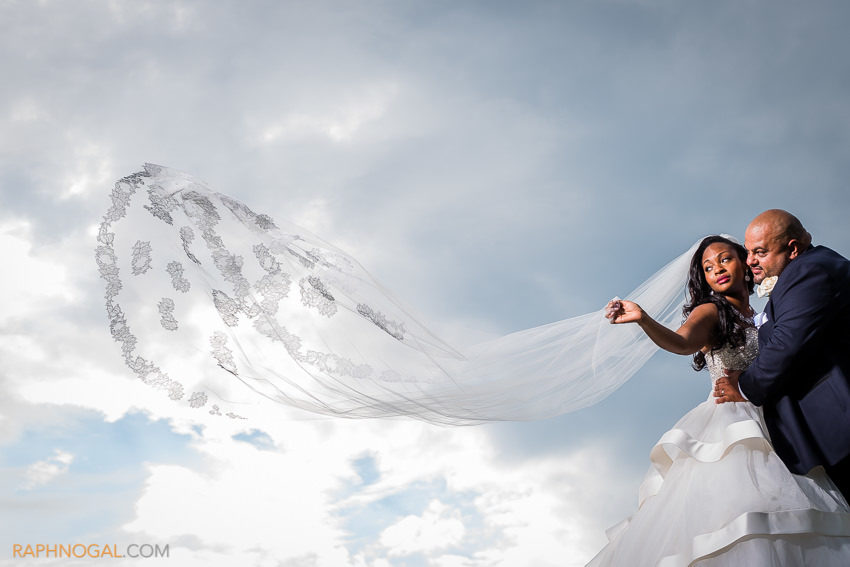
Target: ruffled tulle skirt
x,y
716,494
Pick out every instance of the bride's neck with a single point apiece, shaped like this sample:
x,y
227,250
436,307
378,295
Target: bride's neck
x,y
741,303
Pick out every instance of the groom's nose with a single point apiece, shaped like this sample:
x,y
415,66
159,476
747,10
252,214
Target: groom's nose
x,y
751,259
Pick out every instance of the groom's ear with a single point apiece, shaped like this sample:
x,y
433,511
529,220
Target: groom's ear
x,y
796,248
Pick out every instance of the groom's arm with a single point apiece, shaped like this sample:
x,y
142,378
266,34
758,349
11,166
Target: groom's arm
x,y
802,306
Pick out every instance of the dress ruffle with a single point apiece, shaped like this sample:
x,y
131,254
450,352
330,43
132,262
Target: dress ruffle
x,y
814,523
716,494
742,425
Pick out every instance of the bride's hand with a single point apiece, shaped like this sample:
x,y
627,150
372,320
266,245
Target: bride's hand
x,y
622,311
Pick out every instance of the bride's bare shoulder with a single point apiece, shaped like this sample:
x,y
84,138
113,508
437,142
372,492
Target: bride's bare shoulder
x,y
704,311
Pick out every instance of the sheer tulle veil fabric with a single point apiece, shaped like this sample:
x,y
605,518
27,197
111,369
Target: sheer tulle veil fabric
x,y
220,306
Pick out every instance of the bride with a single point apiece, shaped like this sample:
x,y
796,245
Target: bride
x,y
716,492
224,309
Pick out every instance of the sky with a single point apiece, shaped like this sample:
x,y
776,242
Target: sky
x,y
498,165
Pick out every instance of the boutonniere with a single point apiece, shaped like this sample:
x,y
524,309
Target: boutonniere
x,y
766,286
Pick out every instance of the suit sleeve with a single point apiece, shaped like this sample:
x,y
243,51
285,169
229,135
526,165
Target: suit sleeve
x,y
802,306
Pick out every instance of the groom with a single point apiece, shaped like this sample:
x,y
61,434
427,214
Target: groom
x,y
802,374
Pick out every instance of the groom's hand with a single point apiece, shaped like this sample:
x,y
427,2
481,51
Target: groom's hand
x,y
726,388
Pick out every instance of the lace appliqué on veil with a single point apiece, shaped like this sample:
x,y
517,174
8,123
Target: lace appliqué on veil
x,y
395,330
315,294
161,205
187,235
141,257
175,270
166,312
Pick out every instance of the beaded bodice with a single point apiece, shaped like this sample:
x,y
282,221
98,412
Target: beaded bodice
x,y
733,358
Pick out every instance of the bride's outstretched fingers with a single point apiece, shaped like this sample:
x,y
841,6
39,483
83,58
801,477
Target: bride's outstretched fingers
x,y
612,309
622,311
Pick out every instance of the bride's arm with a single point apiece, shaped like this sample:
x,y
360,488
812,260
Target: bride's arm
x,y
693,335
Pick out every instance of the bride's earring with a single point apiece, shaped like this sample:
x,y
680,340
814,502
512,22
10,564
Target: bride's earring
x,y
747,277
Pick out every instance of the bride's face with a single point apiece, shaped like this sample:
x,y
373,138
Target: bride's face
x,y
724,271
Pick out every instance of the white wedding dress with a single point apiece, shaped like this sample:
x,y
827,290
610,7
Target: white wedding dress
x,y
716,494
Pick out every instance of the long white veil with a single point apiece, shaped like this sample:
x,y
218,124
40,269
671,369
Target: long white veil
x,y
218,305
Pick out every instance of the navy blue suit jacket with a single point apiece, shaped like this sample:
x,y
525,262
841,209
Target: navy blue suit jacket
x,y
802,374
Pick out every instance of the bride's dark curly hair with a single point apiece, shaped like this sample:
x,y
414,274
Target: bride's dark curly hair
x,y
731,326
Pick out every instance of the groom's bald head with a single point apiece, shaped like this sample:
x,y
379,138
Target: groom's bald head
x,y
773,239
783,225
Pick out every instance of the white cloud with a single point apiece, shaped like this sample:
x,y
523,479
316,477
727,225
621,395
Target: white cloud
x,y
437,528
91,170
43,472
449,560
249,501
34,281
537,511
338,118
173,16
27,110
284,501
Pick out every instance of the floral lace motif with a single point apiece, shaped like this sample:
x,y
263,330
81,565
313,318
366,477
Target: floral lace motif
x,y
273,289
395,330
306,258
278,333
108,268
141,262
246,215
175,270
121,193
315,294
335,365
266,259
217,411
230,267
187,235
227,308
328,363
222,353
197,400
166,312
200,208
265,222
161,204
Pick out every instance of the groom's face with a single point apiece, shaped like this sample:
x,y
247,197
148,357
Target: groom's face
x,y
767,255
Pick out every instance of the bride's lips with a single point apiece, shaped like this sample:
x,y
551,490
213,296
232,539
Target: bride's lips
x,y
722,280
